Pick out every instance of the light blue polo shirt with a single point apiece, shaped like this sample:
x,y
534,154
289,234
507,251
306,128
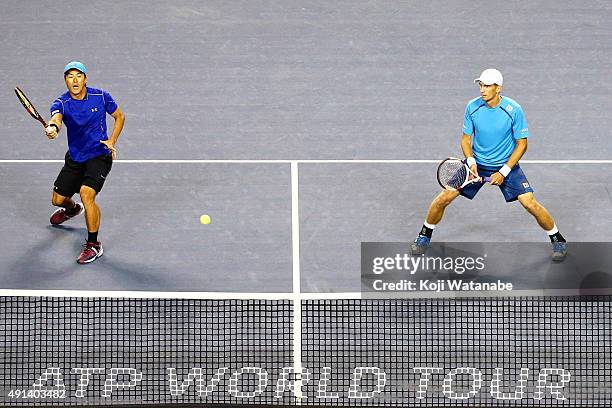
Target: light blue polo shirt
x,y
85,122
495,130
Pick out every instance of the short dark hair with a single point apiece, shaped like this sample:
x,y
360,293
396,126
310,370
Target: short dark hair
x,y
74,69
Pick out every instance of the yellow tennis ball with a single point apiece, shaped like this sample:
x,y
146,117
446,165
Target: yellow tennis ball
x,y
205,219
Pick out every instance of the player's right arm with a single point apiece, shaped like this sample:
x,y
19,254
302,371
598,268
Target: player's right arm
x,y
55,124
466,139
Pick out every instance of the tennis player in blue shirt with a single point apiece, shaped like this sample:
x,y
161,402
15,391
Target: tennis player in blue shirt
x,y
90,152
494,139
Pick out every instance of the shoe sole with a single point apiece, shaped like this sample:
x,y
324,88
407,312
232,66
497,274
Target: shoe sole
x,y
60,209
92,259
417,251
559,258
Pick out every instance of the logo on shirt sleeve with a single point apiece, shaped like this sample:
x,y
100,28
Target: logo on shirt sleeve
x,y
509,108
54,112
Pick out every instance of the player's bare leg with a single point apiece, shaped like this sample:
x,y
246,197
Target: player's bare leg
x,y
92,211
93,248
545,220
69,208
439,204
434,216
533,207
61,201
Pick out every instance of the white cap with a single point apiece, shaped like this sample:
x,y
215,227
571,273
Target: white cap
x,y
490,76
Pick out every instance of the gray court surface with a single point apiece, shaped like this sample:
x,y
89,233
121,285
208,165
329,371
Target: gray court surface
x,y
293,80
153,238
343,205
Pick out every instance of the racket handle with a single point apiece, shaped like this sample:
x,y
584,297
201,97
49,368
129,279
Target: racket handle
x,y
486,179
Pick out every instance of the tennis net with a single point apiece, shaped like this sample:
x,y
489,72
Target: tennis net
x,y
97,351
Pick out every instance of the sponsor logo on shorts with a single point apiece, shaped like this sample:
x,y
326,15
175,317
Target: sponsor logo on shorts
x,y
525,185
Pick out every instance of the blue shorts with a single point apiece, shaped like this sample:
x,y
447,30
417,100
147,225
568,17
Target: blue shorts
x,y
513,186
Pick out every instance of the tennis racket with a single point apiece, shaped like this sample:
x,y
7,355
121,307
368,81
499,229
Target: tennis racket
x,y
454,174
29,107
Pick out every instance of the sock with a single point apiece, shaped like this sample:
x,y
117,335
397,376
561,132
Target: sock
x,y
427,229
92,237
555,235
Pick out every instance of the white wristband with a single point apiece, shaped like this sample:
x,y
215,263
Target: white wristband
x,y
471,161
505,170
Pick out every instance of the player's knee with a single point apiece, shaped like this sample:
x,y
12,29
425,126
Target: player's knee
x,y
88,194
57,200
529,202
444,199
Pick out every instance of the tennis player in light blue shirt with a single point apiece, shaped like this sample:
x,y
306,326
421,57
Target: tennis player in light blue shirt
x,y
495,135
498,128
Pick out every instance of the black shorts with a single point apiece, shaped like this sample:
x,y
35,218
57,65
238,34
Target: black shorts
x,y
73,175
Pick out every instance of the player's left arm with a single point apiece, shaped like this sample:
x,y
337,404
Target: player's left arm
x,y
119,117
520,132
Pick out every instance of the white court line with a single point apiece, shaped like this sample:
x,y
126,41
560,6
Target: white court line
x,y
295,226
178,295
332,161
297,303
296,298
143,294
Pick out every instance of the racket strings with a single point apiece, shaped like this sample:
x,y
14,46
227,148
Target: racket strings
x,y
24,100
28,106
452,174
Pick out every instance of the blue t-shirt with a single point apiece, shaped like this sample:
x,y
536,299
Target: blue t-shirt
x,y
495,130
85,122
